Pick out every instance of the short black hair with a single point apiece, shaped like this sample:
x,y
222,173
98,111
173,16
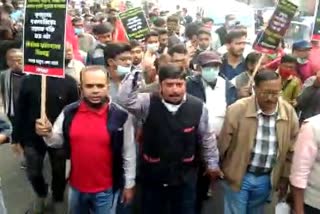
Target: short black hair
x,y
192,29
173,18
206,20
235,34
178,48
151,34
102,28
252,58
159,22
162,31
265,75
114,49
288,58
204,31
171,71
135,43
76,19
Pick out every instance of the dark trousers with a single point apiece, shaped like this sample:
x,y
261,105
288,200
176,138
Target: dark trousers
x,y
34,161
158,199
310,210
203,185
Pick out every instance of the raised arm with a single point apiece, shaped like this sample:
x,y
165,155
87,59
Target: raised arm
x,y
128,96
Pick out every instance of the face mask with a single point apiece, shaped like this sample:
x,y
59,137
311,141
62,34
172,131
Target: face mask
x,y
286,73
210,74
95,105
122,71
302,61
153,47
231,23
78,31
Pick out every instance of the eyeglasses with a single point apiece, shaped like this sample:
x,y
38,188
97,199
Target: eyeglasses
x,y
267,94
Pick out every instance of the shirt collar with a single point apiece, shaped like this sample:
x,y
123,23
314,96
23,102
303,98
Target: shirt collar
x,y
260,112
174,108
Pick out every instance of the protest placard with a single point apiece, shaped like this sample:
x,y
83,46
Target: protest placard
x,y
44,37
277,27
135,23
44,41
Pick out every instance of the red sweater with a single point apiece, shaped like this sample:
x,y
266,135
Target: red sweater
x,y
91,155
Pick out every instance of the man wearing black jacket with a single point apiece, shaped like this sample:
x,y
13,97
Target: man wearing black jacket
x,y
60,92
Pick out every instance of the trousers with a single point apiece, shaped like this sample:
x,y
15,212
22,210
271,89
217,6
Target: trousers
x,y
34,163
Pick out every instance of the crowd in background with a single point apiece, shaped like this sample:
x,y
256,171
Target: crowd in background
x,y
184,107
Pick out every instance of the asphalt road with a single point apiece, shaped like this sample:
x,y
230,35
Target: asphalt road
x,y
18,194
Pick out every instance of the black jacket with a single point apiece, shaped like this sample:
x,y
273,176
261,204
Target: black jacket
x,y
60,92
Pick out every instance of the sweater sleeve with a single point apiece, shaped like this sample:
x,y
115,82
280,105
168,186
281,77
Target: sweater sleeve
x,y
129,153
304,156
56,138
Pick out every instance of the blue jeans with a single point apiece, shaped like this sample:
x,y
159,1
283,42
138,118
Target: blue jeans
x,y
3,209
254,193
83,203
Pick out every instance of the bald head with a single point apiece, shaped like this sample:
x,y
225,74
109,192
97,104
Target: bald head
x,y
94,69
14,59
94,85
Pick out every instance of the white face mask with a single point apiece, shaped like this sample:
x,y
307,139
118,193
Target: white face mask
x,y
302,61
232,23
122,71
153,47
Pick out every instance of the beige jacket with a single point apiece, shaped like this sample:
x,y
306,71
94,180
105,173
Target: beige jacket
x,y
237,139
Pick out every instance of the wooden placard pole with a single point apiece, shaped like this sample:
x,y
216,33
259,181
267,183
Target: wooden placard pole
x,y
256,69
43,97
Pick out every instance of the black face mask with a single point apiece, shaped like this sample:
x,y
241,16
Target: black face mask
x,y
67,61
95,105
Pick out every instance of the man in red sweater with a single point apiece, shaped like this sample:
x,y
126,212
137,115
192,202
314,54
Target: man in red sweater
x,y
98,139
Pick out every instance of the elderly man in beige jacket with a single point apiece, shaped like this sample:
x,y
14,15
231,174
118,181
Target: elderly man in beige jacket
x,y
255,146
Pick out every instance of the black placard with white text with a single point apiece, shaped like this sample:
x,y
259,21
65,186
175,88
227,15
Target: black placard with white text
x,y
135,23
277,27
44,37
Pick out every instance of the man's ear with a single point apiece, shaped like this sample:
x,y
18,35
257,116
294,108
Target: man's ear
x,y
111,62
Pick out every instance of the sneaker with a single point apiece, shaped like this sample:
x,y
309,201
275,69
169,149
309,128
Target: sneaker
x,y
39,205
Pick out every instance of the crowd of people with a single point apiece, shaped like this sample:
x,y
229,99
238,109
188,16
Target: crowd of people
x,y
151,126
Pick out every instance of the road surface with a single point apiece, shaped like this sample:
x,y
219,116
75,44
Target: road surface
x,y
18,194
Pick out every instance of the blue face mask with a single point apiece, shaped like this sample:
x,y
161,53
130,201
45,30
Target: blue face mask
x,y
210,74
122,71
78,31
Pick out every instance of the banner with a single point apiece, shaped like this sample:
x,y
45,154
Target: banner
x,y
135,23
277,27
44,37
316,29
